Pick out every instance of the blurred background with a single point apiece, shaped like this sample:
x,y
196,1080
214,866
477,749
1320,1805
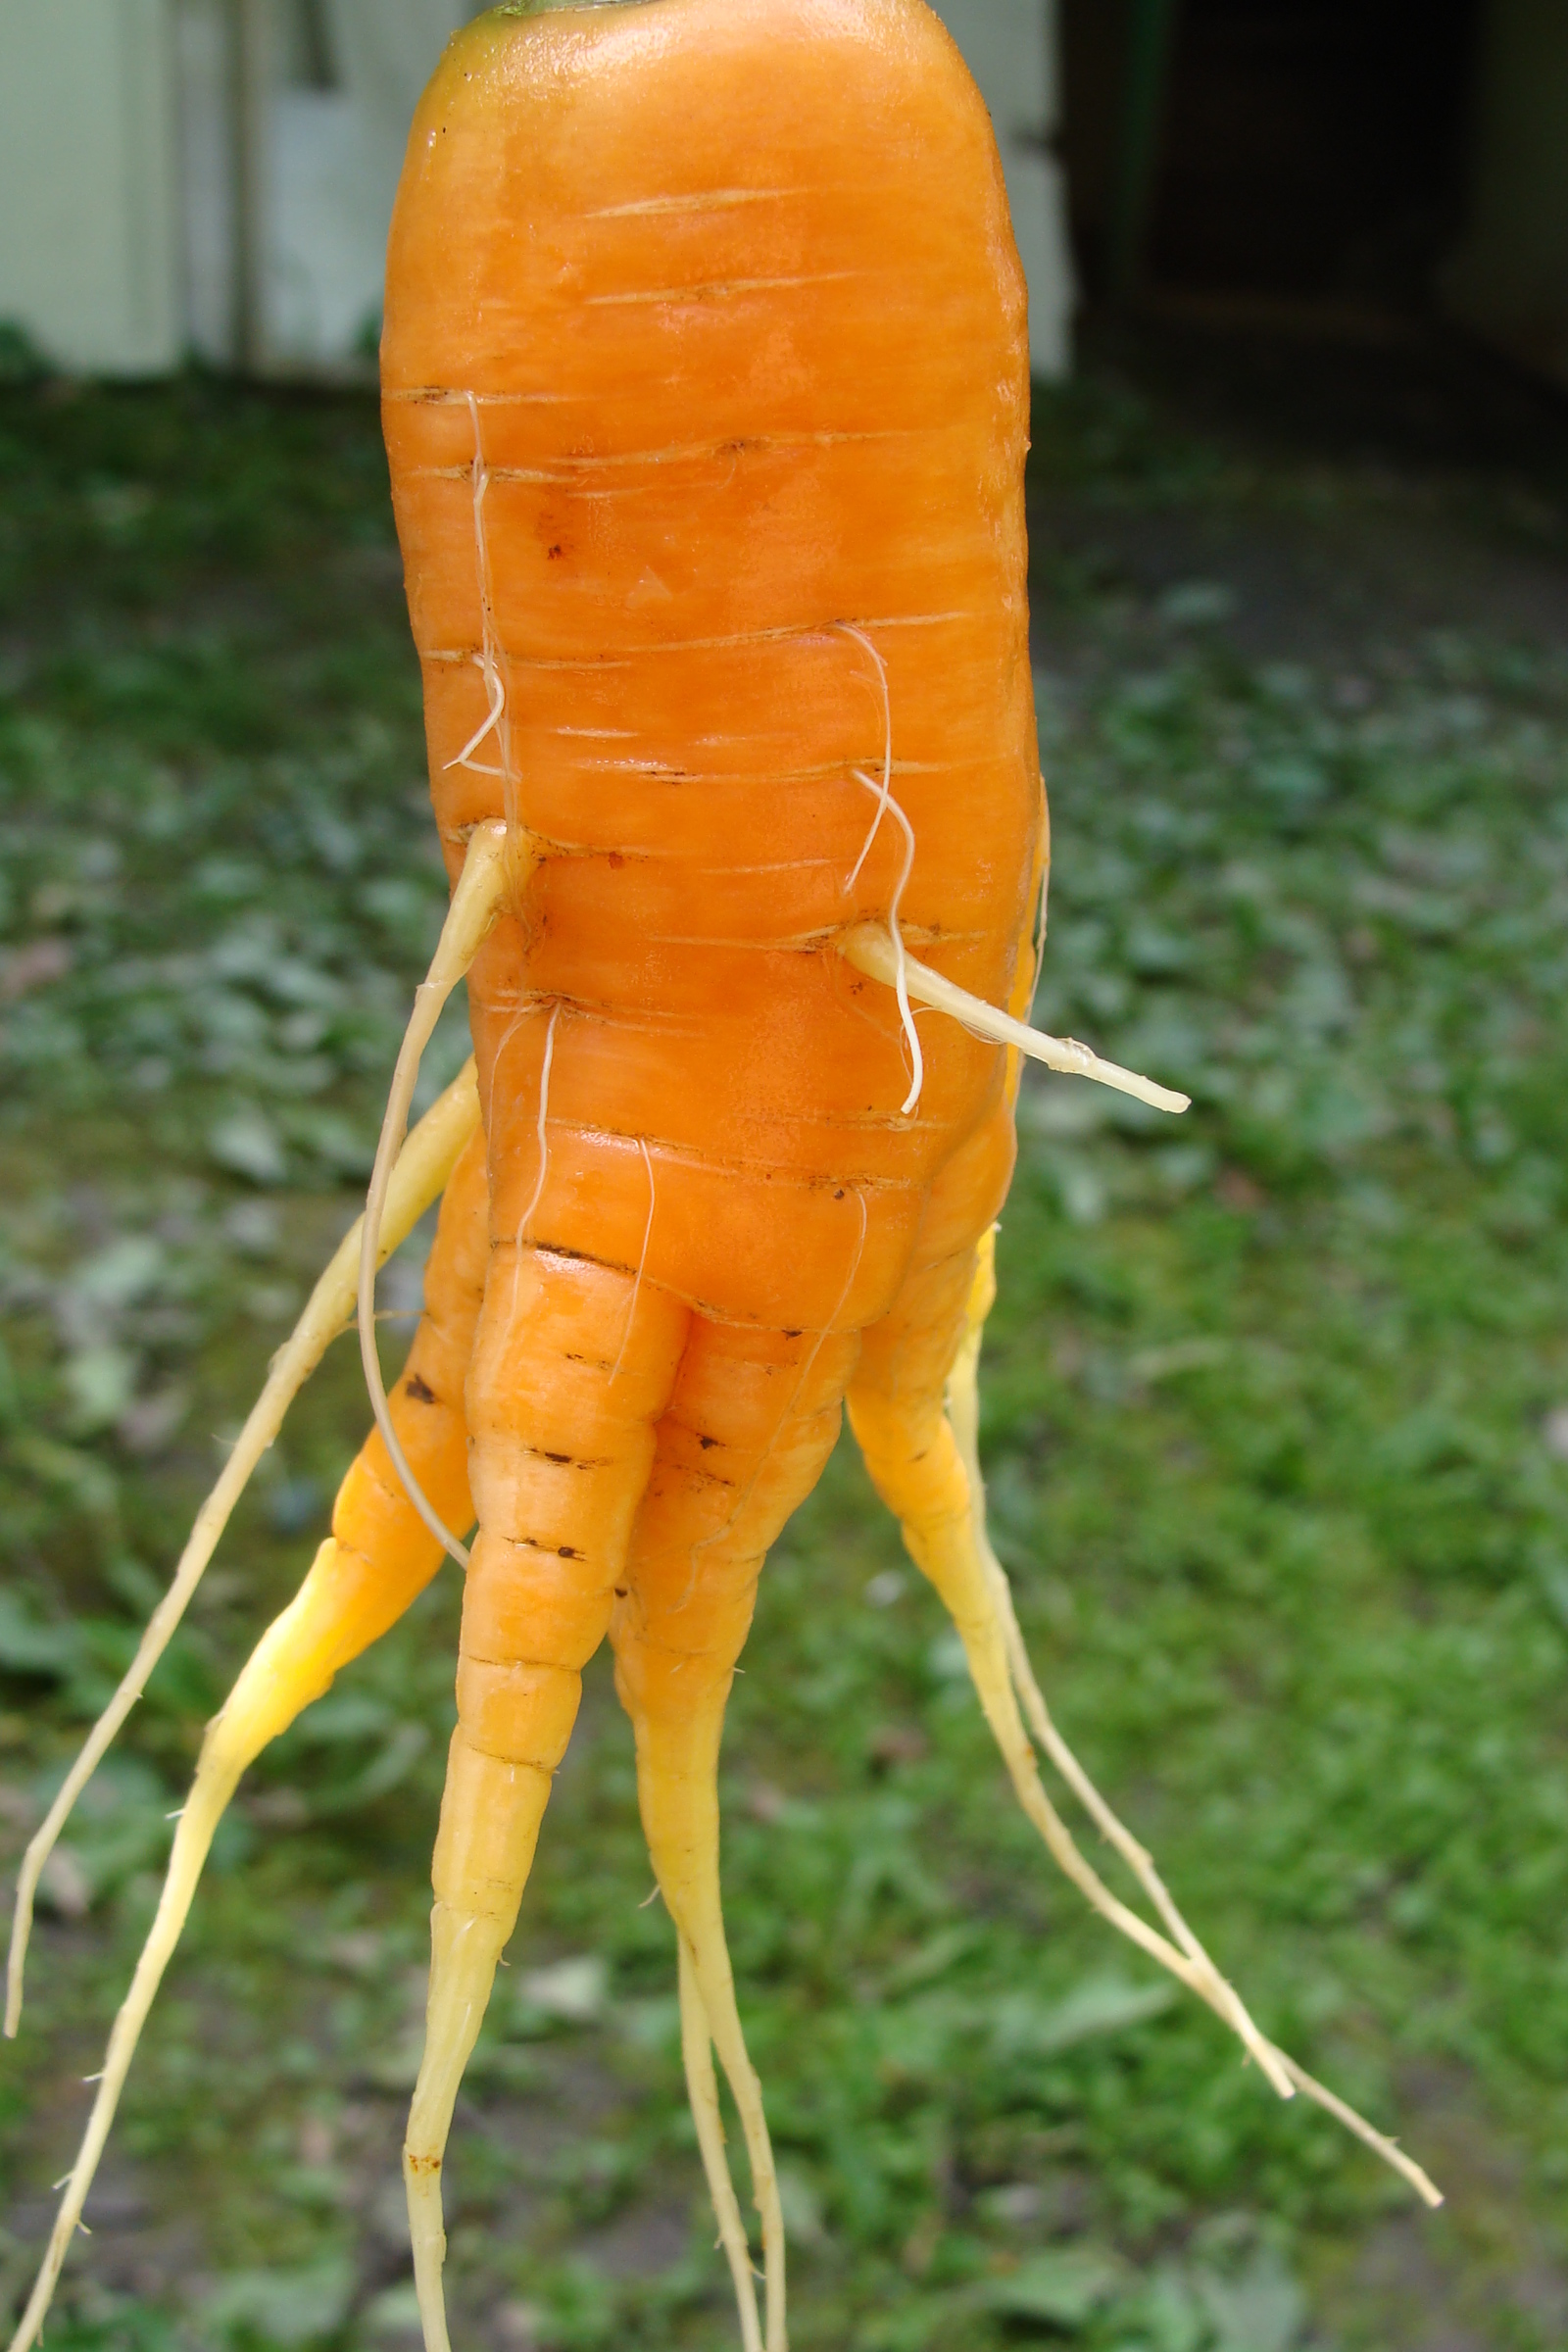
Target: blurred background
x,y
1276,1419
212,178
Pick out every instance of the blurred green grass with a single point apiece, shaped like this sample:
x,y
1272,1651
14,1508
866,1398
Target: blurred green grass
x,y
1275,1427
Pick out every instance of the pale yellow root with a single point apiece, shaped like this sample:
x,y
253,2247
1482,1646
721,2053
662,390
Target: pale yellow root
x,y
752,1421
296,1660
957,1556
701,2089
1199,1971
746,2089
423,1166
466,1947
495,866
944,1552
293,1663
964,1414
462,1970
874,951
672,1781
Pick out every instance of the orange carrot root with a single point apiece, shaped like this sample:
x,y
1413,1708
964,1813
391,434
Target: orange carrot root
x,y
560,1455
493,868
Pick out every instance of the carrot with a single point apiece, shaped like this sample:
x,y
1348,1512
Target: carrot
x,y
652,473
706,458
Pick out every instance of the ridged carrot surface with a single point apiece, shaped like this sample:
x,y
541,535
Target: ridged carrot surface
x,y
705,344
705,397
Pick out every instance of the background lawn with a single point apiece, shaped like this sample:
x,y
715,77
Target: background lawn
x,y
1276,1425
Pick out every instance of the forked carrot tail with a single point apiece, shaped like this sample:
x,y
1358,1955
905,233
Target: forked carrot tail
x,y
752,1421
897,1406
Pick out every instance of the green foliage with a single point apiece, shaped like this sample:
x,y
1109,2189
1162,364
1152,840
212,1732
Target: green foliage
x,y
1273,1422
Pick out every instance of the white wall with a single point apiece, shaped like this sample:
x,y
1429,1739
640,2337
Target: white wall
x,y
206,100
89,208
1010,47
328,163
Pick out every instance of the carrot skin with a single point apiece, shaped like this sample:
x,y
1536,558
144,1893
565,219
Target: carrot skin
x,y
572,1364
559,1455
752,1421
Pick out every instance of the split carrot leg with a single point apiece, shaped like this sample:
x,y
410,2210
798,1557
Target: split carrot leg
x,y
963,1415
924,1354
573,1364
377,1558
752,1421
897,1405
701,2089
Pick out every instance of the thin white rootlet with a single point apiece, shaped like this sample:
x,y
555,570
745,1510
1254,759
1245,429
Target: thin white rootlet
x,y
495,720
642,1264
886,803
475,903
541,1130
900,960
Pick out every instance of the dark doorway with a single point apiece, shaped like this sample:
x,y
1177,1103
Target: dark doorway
x,y
1303,149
